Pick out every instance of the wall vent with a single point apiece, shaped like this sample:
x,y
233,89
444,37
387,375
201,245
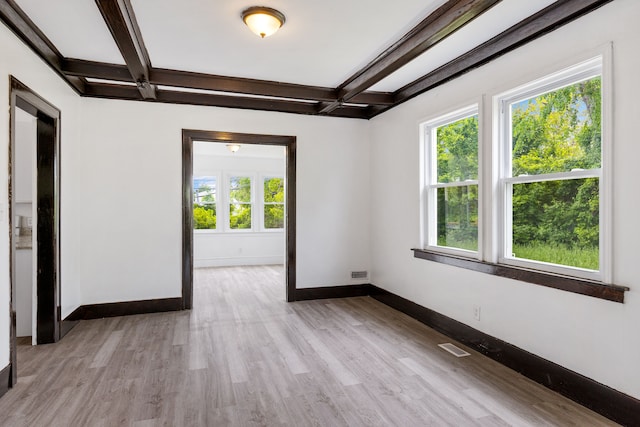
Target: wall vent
x,y
456,351
359,274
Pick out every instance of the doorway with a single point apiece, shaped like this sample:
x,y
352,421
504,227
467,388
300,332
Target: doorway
x,y
34,214
289,143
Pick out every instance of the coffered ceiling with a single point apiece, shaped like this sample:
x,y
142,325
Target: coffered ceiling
x,y
353,58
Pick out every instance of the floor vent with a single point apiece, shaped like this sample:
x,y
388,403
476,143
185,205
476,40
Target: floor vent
x,y
456,351
359,274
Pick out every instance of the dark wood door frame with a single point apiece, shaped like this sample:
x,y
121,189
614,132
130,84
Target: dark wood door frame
x,y
47,222
289,142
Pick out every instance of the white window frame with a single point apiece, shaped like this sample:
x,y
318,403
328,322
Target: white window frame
x,y
263,204
227,201
598,66
430,186
219,197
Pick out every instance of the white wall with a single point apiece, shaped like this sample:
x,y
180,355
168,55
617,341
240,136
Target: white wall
x,y
132,232
596,338
19,61
220,247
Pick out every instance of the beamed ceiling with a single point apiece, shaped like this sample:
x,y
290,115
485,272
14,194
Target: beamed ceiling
x,y
355,58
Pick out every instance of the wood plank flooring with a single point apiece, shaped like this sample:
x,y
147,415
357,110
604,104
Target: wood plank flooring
x,y
245,357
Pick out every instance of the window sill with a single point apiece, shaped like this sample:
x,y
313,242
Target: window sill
x,y
566,283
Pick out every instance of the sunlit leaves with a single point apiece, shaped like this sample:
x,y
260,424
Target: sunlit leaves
x,y
273,203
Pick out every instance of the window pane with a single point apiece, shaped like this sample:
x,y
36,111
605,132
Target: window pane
x,y
274,190
204,189
204,217
274,216
240,189
239,216
557,222
458,217
457,147
204,202
558,131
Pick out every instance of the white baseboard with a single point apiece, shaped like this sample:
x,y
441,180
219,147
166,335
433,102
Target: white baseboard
x,y
235,261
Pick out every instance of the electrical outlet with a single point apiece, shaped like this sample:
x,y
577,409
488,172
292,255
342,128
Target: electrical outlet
x,y
476,312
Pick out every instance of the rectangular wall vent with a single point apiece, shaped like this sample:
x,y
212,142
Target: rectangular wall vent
x,y
456,351
359,274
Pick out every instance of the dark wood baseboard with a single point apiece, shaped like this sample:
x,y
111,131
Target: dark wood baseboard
x,y
346,291
600,398
68,324
5,380
126,308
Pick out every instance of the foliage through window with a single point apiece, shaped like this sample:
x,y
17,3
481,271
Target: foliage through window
x,y
204,202
240,203
273,203
551,179
452,180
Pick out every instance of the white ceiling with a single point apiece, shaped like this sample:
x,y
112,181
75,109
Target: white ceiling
x,y
201,148
75,27
322,43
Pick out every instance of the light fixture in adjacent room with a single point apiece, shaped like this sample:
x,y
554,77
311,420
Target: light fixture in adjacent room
x,y
233,147
263,21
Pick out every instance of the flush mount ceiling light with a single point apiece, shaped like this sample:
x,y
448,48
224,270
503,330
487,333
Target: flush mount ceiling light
x,y
263,21
233,147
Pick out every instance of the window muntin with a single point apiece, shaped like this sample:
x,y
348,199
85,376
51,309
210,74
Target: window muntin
x,y
240,202
205,202
552,172
451,177
273,203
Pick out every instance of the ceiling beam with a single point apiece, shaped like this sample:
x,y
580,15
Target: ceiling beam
x,y
239,85
112,91
192,80
439,25
119,16
25,29
548,19
96,70
186,79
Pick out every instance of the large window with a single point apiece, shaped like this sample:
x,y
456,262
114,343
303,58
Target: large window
x,y
451,178
205,201
551,172
273,198
541,182
240,202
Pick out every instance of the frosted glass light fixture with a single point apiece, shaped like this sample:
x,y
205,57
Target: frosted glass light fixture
x,y
263,21
233,147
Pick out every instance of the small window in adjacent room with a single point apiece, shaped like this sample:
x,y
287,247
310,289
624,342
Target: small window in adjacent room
x,y
551,173
451,182
205,201
273,203
240,202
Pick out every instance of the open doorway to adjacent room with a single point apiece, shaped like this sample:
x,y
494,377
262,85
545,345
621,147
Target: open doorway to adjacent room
x,y
239,213
34,221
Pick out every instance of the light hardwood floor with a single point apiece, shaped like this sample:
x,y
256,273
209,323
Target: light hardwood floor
x,y
245,357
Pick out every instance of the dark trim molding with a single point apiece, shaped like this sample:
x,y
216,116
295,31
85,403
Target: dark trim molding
x,y
347,291
600,398
350,100
47,201
590,288
68,324
30,34
439,25
290,144
122,23
126,308
5,379
545,21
